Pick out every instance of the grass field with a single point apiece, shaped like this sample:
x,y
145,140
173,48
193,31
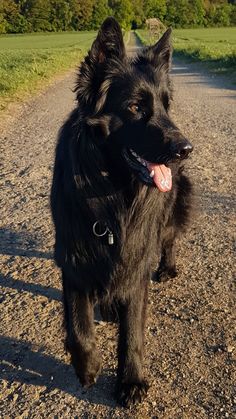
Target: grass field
x,y
214,46
29,61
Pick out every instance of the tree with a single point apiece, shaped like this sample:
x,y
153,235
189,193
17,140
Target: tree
x,y
3,22
10,18
233,15
221,15
75,13
122,11
85,14
18,16
38,14
60,15
177,13
155,8
185,13
138,18
101,10
196,13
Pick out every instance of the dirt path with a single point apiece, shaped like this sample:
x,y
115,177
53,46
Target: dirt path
x,y
191,336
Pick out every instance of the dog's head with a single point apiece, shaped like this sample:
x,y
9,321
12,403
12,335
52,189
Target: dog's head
x,y
125,103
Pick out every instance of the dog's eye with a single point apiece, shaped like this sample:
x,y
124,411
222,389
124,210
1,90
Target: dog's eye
x,y
134,108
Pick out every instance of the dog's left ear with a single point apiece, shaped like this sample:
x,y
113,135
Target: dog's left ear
x,y
108,45
109,42
159,55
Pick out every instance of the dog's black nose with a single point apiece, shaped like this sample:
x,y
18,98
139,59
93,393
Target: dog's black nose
x,y
182,149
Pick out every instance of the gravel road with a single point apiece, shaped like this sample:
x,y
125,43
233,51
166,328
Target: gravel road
x,y
191,336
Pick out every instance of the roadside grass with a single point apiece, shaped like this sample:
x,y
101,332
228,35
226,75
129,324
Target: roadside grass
x,y
216,47
28,62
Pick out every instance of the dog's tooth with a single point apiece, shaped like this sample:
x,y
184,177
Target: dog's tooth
x,y
152,173
133,152
140,160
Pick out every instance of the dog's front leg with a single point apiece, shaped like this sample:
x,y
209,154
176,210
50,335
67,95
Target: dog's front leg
x,y
131,386
167,267
79,319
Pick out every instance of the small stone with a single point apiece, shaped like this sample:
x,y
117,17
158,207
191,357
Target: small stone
x,y
15,397
24,414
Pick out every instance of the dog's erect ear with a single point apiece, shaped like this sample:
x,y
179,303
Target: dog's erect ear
x,y
109,42
159,55
108,45
163,48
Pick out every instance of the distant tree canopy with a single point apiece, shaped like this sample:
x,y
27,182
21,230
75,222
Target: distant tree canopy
x,y
18,16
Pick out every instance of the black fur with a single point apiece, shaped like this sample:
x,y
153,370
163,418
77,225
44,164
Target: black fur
x,y
122,104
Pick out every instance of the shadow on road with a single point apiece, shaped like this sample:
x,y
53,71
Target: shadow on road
x,y
203,76
20,362
33,288
20,243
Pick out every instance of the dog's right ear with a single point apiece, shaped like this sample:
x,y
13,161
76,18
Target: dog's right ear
x,y
108,45
158,55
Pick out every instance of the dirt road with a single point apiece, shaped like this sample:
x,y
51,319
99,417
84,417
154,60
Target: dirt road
x,y
191,336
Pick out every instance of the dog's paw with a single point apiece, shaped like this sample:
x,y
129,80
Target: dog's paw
x,y
163,274
130,394
89,376
87,368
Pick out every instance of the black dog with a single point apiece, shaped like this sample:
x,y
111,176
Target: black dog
x,y
119,199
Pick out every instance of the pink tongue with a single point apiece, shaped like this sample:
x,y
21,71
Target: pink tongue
x,y
162,176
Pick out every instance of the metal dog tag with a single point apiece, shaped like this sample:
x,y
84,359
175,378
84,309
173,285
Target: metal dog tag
x,y
110,238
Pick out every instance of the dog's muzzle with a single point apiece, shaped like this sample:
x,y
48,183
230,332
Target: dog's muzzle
x,y
181,150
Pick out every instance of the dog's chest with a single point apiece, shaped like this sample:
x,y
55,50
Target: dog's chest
x,y
142,236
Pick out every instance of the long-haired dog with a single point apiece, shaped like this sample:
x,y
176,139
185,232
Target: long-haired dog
x,y
119,200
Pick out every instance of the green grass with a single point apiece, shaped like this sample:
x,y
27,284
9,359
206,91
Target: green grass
x,y
216,47
29,61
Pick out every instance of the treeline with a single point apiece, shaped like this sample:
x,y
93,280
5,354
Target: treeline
x,y
19,16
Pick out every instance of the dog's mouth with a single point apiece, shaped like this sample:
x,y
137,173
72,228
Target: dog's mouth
x,y
150,173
